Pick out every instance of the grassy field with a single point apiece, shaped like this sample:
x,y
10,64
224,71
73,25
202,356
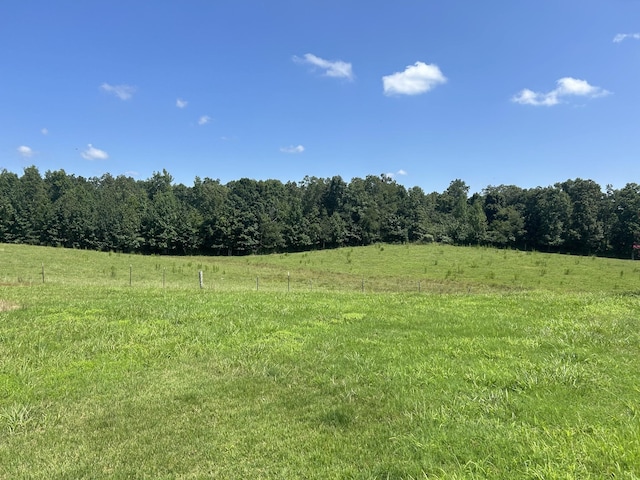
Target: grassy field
x,y
376,269
379,362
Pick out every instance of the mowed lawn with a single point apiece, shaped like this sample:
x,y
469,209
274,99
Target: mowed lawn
x,y
107,376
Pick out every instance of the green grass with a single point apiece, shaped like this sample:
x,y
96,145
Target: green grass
x,y
490,379
380,268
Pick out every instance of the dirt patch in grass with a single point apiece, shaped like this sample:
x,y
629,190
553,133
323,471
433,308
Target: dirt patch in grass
x,y
6,306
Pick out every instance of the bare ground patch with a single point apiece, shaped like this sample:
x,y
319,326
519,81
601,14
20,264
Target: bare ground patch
x,y
6,306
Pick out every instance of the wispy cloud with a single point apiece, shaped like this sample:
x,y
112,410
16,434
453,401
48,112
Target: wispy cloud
x,y
414,80
93,153
400,172
25,152
123,92
623,36
566,87
336,69
180,103
204,119
44,131
292,149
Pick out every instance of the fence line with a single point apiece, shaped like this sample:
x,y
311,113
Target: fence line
x,y
285,282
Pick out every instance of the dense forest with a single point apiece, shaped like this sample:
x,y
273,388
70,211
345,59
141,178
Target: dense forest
x,y
264,216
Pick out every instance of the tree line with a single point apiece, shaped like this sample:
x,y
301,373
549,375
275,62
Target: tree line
x,y
264,216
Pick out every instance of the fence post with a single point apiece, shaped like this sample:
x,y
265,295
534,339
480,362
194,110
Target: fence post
x,y
200,279
257,284
43,273
164,270
130,274
288,281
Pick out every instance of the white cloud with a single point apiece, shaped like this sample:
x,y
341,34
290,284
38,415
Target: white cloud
x,y
25,152
123,92
566,87
292,149
181,103
336,69
44,131
529,97
399,172
93,153
417,78
204,119
623,36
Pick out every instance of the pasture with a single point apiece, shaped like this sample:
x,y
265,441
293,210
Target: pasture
x,y
380,362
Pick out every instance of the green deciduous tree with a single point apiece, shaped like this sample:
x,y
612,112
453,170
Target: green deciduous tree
x,y
548,217
505,207
586,226
625,221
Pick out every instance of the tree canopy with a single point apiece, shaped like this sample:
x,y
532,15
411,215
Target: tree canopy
x,y
249,216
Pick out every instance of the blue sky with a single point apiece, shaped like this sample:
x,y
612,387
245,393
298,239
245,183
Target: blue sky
x,y
497,92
